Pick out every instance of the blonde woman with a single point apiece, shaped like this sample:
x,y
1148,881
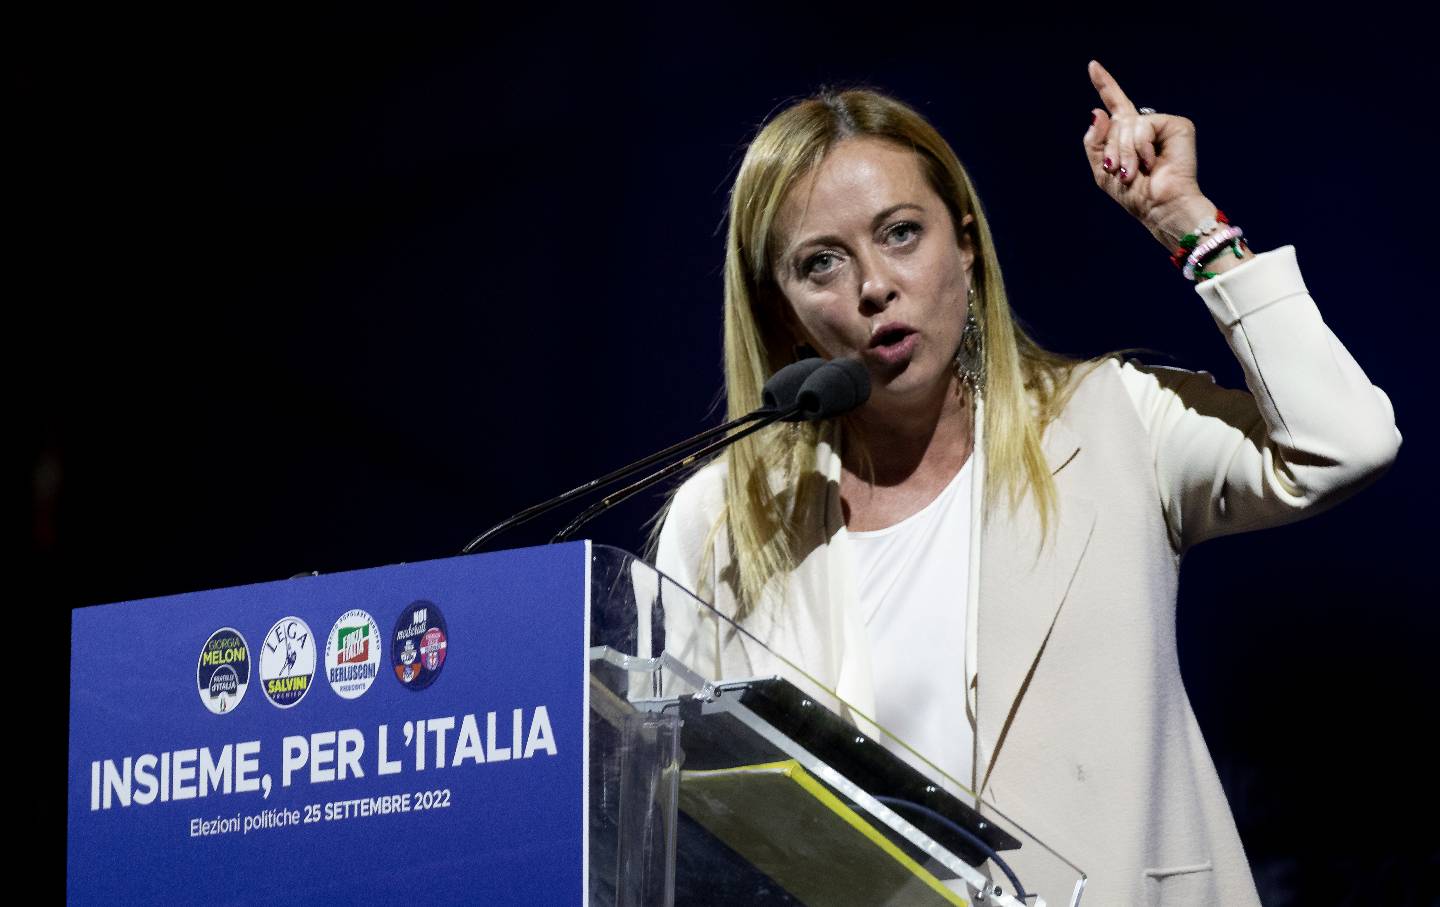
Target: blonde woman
x,y
984,558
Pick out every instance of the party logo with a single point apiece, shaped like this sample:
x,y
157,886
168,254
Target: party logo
x,y
419,645
287,662
352,654
223,674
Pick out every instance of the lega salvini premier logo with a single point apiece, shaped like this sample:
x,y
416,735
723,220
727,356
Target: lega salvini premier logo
x,y
287,662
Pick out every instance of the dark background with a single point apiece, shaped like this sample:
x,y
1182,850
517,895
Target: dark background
x,y
341,290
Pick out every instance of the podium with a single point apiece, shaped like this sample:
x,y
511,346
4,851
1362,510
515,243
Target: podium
x,y
500,728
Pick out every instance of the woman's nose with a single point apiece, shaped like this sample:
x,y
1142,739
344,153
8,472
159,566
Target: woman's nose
x,y
877,284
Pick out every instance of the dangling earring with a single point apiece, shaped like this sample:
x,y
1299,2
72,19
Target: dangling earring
x,y
970,357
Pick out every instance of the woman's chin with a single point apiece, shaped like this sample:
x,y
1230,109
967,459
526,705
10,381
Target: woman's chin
x,y
907,387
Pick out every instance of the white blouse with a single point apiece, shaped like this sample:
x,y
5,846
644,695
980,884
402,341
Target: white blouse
x,y
913,579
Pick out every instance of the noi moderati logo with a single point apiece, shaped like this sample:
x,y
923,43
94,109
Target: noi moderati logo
x,y
419,645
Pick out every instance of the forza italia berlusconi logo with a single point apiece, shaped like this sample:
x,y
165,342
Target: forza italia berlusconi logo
x,y
287,662
352,654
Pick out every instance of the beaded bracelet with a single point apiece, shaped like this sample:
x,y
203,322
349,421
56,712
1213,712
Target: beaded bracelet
x,y
1189,240
1207,250
1203,252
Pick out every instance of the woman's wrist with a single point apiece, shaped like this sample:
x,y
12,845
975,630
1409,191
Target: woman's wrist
x,y
1183,218
1171,223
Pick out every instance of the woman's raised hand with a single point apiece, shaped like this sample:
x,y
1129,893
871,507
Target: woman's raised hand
x,y
1146,162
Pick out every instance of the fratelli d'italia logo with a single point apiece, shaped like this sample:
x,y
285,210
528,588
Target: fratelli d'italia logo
x,y
419,645
287,662
224,671
352,654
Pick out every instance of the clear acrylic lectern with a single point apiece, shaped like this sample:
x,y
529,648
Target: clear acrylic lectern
x,y
707,790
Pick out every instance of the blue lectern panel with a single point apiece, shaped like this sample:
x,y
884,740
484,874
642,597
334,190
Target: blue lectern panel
x,y
413,733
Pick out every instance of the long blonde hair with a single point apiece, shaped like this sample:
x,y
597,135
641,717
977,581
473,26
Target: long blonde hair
x,y
1024,384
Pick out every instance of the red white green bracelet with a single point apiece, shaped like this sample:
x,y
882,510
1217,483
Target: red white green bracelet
x,y
1204,251
1195,250
1191,239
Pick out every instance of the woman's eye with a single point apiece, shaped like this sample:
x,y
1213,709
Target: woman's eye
x,y
820,264
903,232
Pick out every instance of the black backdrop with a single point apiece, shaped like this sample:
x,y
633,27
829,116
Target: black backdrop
x,y
336,291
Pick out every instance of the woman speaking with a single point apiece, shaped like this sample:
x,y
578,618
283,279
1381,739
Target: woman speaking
x,y
984,557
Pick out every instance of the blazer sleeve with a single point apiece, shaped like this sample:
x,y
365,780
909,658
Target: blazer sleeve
x,y
1311,430
681,552
692,630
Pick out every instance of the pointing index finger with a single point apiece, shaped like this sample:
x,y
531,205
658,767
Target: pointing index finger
x,y
1114,99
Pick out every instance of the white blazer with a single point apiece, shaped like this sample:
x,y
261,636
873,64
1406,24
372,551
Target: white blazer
x,y
1085,735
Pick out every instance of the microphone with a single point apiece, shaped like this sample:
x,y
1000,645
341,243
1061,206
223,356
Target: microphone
x,y
832,389
779,395
784,386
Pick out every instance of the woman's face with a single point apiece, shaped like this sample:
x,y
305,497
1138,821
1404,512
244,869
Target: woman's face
x,y
871,267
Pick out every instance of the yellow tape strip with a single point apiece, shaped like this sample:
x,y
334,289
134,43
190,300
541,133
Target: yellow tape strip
x,y
797,773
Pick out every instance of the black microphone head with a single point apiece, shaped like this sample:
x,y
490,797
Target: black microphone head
x,y
780,390
834,389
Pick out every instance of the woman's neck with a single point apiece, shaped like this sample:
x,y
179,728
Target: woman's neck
x,y
924,444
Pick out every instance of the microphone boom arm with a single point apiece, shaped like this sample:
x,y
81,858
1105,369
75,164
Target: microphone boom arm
x,y
623,472
762,419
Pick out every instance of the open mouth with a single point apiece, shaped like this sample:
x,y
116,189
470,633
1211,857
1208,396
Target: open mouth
x,y
893,344
890,337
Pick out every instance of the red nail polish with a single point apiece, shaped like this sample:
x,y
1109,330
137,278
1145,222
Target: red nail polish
x,y
1092,118
1124,173
1107,164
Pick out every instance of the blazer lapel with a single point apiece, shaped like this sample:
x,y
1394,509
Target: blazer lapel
x,y
1022,590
